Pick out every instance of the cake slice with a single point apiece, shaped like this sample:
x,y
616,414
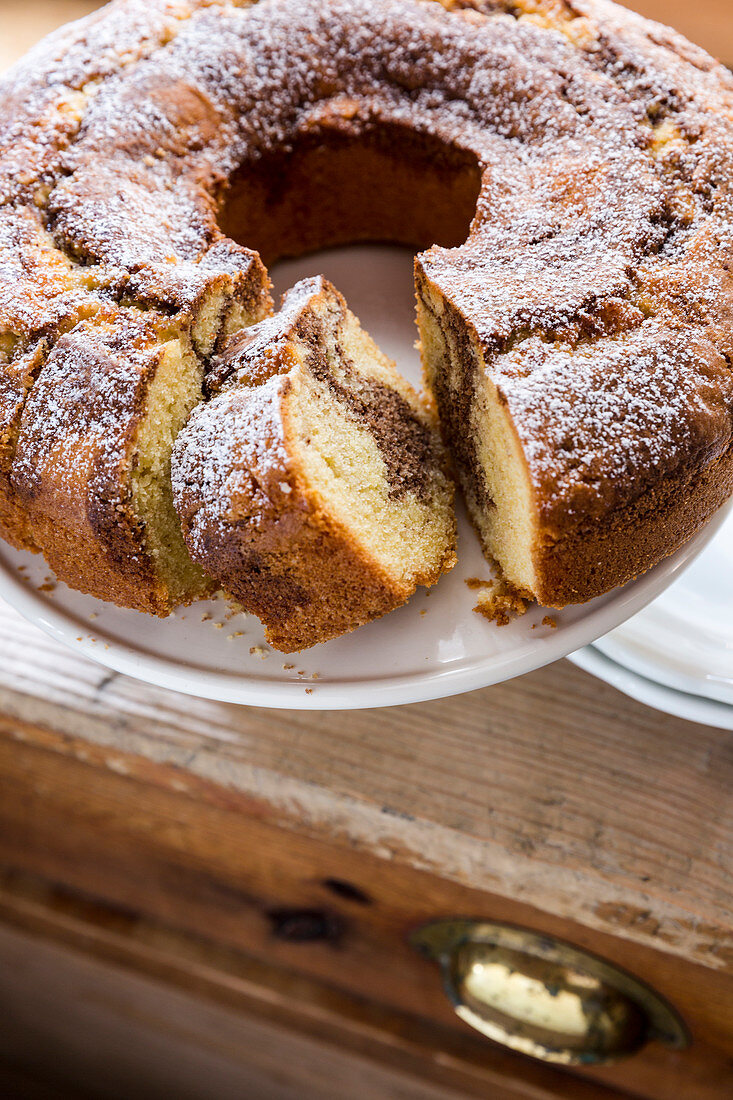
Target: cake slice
x,y
91,464
312,485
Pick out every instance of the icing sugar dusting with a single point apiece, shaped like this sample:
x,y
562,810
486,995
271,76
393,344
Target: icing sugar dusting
x,y
602,245
234,476
654,400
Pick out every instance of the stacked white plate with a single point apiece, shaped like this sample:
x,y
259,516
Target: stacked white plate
x,y
677,654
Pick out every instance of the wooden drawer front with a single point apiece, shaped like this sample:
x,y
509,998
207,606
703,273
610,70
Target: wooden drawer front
x,y
227,876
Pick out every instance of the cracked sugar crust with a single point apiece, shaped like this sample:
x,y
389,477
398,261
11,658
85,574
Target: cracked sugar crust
x,y
596,277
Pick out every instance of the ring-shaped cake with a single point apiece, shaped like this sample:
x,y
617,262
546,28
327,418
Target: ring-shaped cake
x,y
565,166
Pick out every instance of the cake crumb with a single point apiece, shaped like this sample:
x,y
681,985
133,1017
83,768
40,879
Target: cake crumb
x,y
258,651
549,621
424,611
49,586
309,691
236,634
218,626
287,668
498,601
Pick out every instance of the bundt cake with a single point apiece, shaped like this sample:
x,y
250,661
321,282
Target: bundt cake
x,y
566,165
312,486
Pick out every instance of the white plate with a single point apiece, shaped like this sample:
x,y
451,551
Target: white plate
x,y
432,647
678,703
684,640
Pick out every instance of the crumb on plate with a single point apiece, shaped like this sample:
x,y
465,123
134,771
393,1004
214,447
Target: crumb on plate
x,y
497,600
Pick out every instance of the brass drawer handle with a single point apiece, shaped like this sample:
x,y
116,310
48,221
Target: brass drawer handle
x,y
546,998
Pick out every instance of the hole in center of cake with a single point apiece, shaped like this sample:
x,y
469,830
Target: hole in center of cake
x,y
334,187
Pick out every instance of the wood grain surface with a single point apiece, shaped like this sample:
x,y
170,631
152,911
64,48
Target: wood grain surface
x,y
549,801
159,1003
552,789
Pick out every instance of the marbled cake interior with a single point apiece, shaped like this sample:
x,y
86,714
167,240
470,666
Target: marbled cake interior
x,y
577,336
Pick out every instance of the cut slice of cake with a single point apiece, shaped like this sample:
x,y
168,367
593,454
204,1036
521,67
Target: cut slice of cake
x,y
93,455
91,463
312,485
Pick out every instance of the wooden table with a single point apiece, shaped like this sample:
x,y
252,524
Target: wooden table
x,y
204,900
270,865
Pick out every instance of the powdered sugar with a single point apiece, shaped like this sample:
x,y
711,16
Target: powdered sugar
x,y
584,232
601,422
224,478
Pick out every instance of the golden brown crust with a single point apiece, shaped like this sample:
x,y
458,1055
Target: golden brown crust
x,y
595,559
72,471
601,248
66,450
262,530
42,295
252,515
18,376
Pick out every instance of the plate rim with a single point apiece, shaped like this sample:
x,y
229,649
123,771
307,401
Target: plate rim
x,y
371,693
667,700
680,680
679,644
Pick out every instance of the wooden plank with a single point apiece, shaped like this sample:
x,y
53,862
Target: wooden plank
x,y
16,1083
76,1020
228,875
552,790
